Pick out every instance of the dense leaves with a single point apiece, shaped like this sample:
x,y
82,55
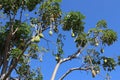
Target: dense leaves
x,y
108,63
20,39
31,4
74,21
81,40
101,24
109,37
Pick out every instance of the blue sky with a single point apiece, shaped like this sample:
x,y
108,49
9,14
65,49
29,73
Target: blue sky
x,y
94,10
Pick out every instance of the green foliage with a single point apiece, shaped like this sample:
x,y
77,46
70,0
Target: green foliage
x,y
50,12
93,57
74,21
58,0
18,38
23,29
31,4
60,45
15,52
81,40
101,24
26,73
11,6
109,37
109,64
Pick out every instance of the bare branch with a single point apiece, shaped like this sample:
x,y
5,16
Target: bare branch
x,y
55,70
76,54
73,69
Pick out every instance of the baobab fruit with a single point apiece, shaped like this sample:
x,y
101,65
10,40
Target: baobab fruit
x,y
50,32
93,73
102,50
105,60
72,34
97,71
96,44
36,39
41,35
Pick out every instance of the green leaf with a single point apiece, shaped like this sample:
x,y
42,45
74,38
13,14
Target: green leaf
x,y
74,21
101,24
81,40
109,36
57,0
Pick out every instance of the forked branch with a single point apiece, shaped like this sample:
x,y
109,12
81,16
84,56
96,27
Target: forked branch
x,y
75,55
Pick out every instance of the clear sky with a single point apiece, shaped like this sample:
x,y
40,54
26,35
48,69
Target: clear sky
x,y
94,10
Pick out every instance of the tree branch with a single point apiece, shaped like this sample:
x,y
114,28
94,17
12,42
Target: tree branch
x,y
15,31
15,63
76,54
73,69
55,70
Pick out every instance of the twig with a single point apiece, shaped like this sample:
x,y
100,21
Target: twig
x,y
73,69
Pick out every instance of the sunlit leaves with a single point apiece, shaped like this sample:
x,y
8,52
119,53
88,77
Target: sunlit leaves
x,y
31,4
36,39
81,40
15,52
93,57
12,6
109,64
57,0
34,48
109,37
101,24
74,21
50,12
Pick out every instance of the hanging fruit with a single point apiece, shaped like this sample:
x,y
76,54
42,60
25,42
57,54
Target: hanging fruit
x,y
105,60
93,73
50,32
97,71
41,35
102,50
32,40
35,39
96,44
72,34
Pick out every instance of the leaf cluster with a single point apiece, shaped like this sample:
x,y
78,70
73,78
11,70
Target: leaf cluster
x,y
109,64
74,21
109,37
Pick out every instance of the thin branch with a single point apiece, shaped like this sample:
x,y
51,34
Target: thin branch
x,y
15,63
73,69
76,54
15,31
50,41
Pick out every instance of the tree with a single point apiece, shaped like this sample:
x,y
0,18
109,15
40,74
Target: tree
x,y
21,35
